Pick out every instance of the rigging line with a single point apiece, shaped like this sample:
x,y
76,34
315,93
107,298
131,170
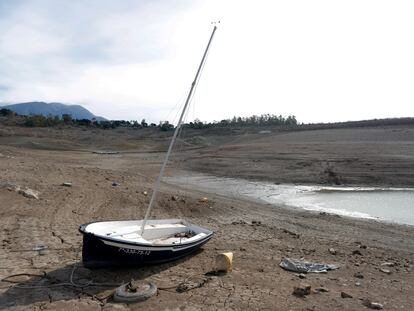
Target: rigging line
x,y
158,181
191,105
192,100
179,104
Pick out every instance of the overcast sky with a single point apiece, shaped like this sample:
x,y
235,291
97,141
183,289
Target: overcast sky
x,y
318,60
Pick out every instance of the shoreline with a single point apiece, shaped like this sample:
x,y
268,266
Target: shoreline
x,y
245,190
259,235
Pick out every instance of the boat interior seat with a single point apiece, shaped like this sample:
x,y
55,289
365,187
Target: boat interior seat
x,y
176,240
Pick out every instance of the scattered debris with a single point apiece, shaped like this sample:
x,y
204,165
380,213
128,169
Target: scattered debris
x,y
28,193
224,262
240,222
105,152
357,252
297,265
294,234
321,290
345,295
386,271
190,284
372,305
186,234
67,184
359,275
332,251
302,290
39,247
256,223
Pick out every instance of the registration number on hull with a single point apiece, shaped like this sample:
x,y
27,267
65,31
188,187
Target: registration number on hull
x,y
134,251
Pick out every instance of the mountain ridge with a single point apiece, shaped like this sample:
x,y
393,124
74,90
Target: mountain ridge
x,y
53,109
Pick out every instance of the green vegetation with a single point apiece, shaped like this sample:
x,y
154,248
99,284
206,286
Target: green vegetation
x,y
253,122
6,112
66,119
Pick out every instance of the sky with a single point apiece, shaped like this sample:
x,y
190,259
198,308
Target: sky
x,y
322,61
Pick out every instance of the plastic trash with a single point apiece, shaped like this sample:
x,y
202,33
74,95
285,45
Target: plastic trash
x,y
301,266
39,247
224,262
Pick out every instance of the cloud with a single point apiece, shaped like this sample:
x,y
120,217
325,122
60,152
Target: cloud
x,y
319,60
98,53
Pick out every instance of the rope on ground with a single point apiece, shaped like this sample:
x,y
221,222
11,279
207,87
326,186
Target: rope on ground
x,y
188,284
71,282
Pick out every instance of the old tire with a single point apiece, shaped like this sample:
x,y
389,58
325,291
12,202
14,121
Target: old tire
x,y
144,291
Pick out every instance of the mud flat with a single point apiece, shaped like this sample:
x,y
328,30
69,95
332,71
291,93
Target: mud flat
x,y
375,259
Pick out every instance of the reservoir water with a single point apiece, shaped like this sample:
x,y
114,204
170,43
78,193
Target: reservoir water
x,y
385,204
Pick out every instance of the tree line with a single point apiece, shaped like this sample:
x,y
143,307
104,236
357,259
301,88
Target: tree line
x,y
50,121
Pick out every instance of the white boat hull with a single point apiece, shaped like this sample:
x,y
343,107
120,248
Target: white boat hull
x,y
119,243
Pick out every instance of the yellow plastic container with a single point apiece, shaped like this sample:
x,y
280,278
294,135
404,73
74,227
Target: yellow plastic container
x,y
224,262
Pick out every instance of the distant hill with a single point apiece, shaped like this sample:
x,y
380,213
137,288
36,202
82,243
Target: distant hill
x,y
54,109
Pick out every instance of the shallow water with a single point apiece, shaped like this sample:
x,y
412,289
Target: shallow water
x,y
386,204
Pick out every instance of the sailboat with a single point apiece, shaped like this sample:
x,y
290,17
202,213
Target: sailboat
x,y
143,242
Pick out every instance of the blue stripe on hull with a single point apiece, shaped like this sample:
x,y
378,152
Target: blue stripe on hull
x,y
96,254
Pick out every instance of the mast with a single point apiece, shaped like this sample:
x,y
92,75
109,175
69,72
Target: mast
x,y
164,164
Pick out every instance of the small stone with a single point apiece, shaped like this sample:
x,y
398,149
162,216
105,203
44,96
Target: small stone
x,y
363,246
242,249
145,193
345,295
260,270
174,198
359,275
372,305
67,184
357,252
357,284
301,290
321,290
203,200
302,276
388,264
386,271
332,251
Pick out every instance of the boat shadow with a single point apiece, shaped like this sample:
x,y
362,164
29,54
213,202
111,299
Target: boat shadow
x,y
29,289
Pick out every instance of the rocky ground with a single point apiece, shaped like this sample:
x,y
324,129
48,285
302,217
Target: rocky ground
x,y
375,259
